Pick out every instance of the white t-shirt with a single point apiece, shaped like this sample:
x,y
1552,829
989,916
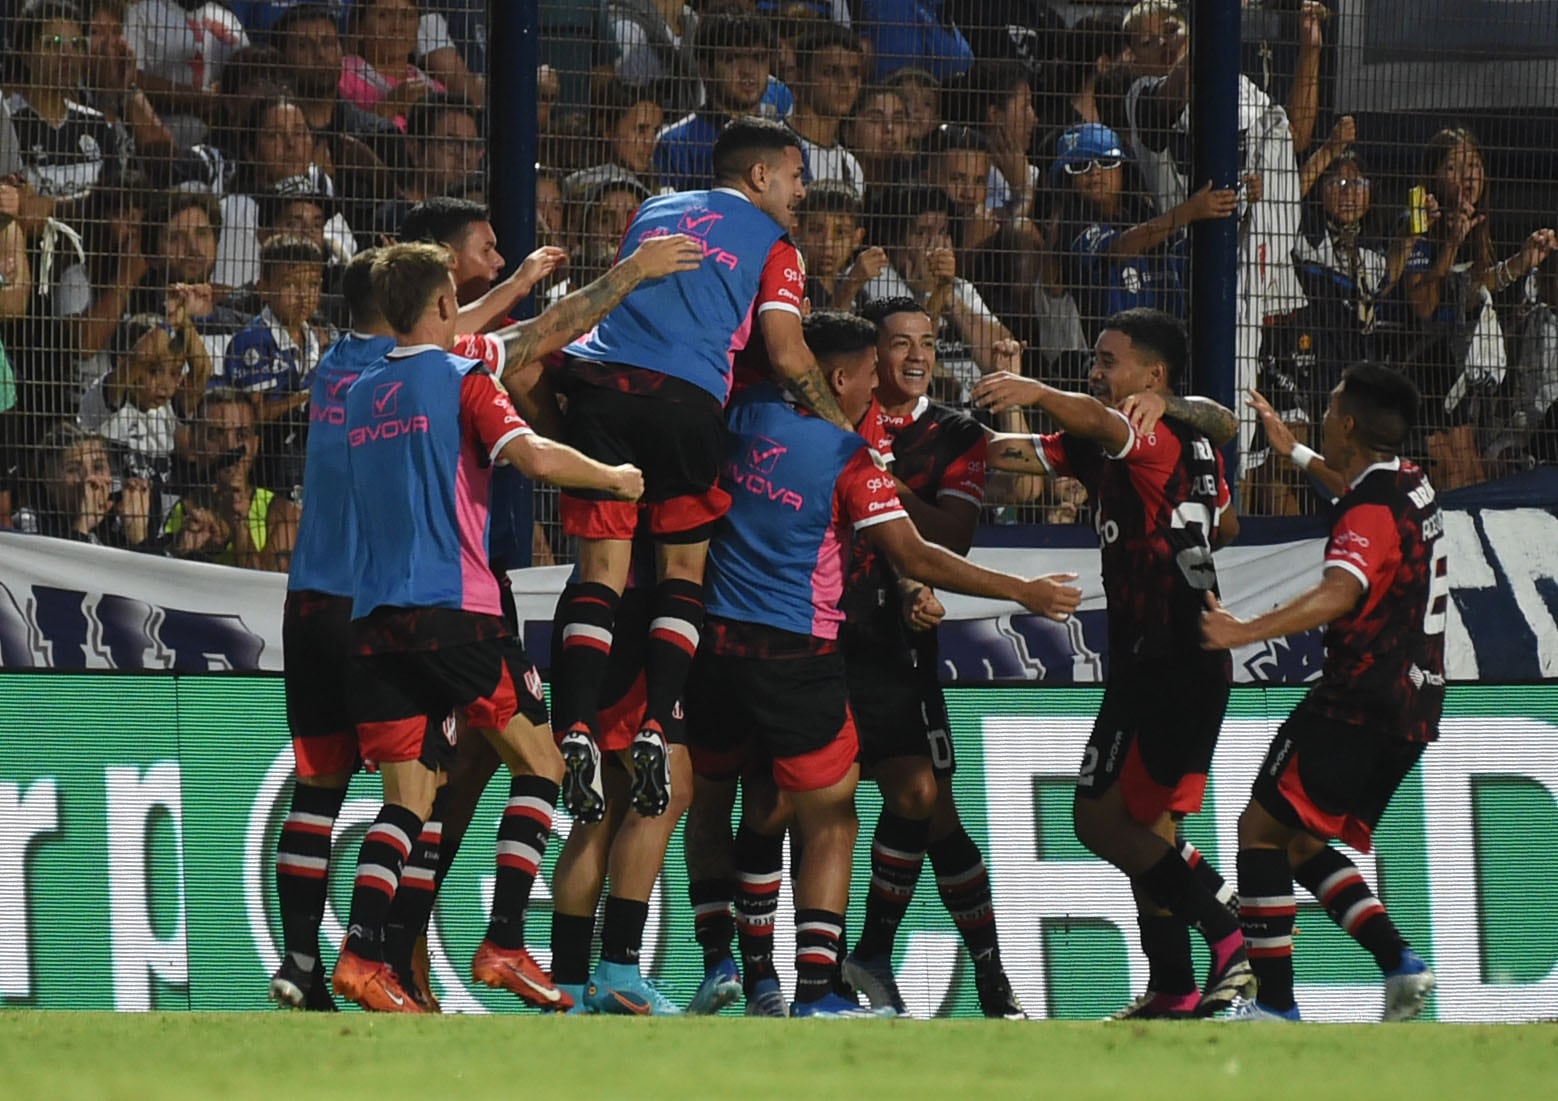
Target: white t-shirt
x,y
832,163
145,434
186,47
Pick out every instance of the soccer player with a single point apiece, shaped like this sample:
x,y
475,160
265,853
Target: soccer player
x,y
771,672
424,428
1160,505
648,386
894,691
316,641
1337,761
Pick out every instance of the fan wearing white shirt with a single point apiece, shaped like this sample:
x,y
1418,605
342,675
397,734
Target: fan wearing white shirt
x,y
831,62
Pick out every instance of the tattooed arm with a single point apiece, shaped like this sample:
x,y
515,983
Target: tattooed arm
x,y
576,314
1215,422
1014,452
797,368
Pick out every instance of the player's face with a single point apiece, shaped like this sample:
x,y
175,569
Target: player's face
x,y
826,240
633,138
1335,447
783,187
477,261
1119,370
854,378
906,357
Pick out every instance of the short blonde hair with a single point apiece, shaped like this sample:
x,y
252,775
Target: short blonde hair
x,y
407,278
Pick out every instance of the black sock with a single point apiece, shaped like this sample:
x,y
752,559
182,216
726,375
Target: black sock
x,y
1209,876
1165,940
571,939
1266,909
1172,885
383,854
759,866
586,615
817,937
302,869
622,931
521,844
713,926
412,907
676,619
964,886
1340,887
897,855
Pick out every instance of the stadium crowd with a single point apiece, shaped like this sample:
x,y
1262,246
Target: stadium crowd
x,y
184,182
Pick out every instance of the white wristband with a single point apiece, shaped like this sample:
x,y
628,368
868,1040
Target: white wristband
x,y
1302,456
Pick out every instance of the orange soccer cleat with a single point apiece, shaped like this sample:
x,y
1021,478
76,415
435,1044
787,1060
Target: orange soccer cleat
x,y
515,970
371,984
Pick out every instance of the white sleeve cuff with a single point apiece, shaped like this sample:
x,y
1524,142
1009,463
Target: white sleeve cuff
x,y
880,518
1038,449
512,433
1130,435
1350,568
785,306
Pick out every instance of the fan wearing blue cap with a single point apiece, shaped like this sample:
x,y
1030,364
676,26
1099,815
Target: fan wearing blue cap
x,y
1118,253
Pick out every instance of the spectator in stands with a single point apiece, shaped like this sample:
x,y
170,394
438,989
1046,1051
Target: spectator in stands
x,y
250,75
109,84
181,47
877,133
278,146
829,62
957,162
16,283
913,32
551,220
998,101
185,226
603,200
379,75
160,368
296,209
1089,80
829,233
914,225
72,493
235,521
1021,31
651,47
443,146
734,54
625,121
66,149
308,40
921,94
1118,254
95,293
1454,349
1531,434
272,359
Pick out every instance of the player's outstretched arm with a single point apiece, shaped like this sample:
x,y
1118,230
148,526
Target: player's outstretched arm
x,y
1335,595
797,368
949,522
913,557
1284,443
1216,422
492,307
1078,414
1014,452
560,465
573,315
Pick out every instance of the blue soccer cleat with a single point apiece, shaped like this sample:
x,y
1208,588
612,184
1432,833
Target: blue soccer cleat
x,y
1407,987
1248,1009
832,1007
765,999
721,986
873,976
619,988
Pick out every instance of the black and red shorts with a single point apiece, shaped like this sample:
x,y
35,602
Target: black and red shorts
x,y
792,707
1333,778
899,709
1154,736
316,643
402,698
675,435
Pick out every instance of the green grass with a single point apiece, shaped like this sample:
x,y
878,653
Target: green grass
x,y
60,1056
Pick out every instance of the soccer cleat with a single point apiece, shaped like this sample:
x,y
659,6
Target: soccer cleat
x,y
997,999
831,1007
584,797
574,992
1234,979
619,988
1149,1005
873,976
514,970
651,791
721,986
765,999
291,987
371,984
1248,1009
1407,987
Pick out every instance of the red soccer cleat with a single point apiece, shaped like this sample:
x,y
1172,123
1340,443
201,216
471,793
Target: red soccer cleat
x,y
371,985
514,970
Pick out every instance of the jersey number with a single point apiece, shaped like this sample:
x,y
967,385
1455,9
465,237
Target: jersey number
x,y
1438,592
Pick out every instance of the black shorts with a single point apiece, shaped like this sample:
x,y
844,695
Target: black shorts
x,y
899,710
1331,778
678,444
316,642
794,710
1154,736
402,699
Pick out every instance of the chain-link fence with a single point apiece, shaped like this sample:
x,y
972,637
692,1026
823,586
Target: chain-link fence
x,y
184,181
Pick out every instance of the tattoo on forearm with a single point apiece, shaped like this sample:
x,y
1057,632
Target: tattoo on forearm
x,y
1016,456
575,314
1212,420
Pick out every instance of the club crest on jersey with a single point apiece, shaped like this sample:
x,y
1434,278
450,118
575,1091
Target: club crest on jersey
x,y
764,454
533,682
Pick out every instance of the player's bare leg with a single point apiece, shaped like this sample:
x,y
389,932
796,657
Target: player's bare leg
x,y
826,822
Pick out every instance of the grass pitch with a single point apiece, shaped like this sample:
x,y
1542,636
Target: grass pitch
x,y
60,1056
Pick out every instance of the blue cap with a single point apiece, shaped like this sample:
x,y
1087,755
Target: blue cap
x,y
1090,141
